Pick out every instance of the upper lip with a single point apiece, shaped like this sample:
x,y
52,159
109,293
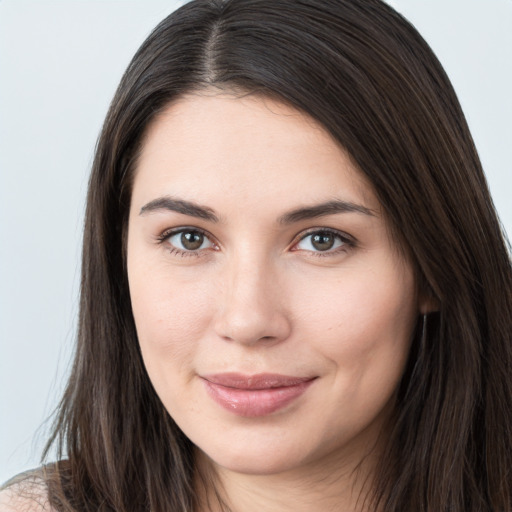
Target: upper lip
x,y
257,381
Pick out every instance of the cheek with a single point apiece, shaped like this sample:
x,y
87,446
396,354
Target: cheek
x,y
363,325
171,315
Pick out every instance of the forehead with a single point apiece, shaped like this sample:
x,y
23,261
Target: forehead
x,y
220,147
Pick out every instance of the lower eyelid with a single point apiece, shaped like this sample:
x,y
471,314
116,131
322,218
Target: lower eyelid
x,y
205,238
163,239
179,252
346,241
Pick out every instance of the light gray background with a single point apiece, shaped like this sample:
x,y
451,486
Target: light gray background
x,y
60,62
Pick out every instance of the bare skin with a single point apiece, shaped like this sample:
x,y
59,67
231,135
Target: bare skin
x,y
256,246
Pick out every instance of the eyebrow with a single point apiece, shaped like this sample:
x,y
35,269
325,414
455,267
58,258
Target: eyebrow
x,y
323,209
179,206
303,213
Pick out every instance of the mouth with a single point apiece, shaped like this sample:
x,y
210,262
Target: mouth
x,y
255,395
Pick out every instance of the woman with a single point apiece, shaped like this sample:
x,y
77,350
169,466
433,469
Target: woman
x,y
295,290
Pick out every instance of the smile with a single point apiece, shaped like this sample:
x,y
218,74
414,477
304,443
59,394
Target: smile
x,y
255,395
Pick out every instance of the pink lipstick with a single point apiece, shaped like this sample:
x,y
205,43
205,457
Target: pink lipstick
x,y
255,395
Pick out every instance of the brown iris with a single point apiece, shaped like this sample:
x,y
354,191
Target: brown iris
x,y
192,240
322,241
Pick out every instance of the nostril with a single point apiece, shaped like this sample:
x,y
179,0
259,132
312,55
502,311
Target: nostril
x,y
252,327
250,309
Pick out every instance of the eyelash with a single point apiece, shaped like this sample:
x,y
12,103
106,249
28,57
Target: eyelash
x,y
166,235
347,241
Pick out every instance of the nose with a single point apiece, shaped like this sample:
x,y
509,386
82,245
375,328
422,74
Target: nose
x,y
251,306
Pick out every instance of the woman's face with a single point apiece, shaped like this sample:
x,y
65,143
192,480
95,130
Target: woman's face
x,y
273,311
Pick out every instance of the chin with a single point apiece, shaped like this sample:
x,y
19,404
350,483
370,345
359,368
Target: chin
x,y
257,461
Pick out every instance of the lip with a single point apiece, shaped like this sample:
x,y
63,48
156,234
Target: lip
x,y
255,395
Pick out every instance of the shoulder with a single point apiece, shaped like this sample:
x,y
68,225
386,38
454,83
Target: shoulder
x,y
26,492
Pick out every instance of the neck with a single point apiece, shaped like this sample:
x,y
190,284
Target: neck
x,y
323,487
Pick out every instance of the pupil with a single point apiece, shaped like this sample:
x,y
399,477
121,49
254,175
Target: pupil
x,y
192,240
322,241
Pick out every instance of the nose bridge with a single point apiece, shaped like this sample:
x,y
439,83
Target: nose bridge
x,y
252,305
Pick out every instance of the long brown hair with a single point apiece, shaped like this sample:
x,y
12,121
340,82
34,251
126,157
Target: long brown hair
x,y
365,74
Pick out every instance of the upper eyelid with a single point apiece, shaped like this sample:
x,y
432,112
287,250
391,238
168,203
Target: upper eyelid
x,y
167,233
348,241
337,232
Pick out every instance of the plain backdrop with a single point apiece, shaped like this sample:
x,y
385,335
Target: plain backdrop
x,y
60,62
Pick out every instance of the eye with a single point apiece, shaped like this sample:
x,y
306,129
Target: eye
x,y
187,240
323,240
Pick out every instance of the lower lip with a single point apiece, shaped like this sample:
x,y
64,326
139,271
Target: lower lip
x,y
255,402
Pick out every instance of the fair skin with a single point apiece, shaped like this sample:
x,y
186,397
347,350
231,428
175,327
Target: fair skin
x,y
255,246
